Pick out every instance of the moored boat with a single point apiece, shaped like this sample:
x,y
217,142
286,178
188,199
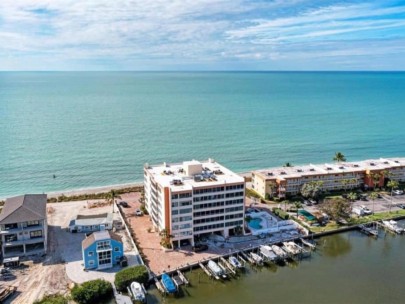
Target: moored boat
x,y
168,283
234,262
279,252
268,253
138,292
258,259
393,226
217,271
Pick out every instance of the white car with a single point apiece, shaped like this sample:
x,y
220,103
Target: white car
x,y
138,212
398,192
366,211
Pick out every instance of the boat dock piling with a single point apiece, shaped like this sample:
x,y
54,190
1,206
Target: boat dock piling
x,y
183,278
202,266
228,265
248,258
241,259
159,286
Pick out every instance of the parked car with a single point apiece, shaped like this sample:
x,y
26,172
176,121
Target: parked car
x,y
398,192
379,195
307,203
123,204
138,212
313,202
366,211
200,247
402,206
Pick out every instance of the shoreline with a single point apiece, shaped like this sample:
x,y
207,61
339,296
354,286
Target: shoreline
x,y
96,189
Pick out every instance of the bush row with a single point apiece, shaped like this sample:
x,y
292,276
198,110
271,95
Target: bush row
x,y
280,213
126,276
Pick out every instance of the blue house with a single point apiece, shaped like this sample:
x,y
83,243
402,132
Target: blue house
x,y
101,250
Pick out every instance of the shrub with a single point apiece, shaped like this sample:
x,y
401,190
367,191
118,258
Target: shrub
x,y
92,292
126,276
52,299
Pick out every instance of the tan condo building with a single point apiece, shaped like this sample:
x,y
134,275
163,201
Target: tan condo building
x,y
284,181
194,198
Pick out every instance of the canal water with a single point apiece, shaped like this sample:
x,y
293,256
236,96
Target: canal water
x,y
346,268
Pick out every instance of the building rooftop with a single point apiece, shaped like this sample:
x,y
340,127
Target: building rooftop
x,y
190,174
334,168
23,208
100,236
92,219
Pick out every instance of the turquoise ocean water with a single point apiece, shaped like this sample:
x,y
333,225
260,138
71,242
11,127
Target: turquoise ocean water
x,y
99,128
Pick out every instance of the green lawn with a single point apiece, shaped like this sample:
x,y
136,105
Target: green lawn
x,y
378,217
329,227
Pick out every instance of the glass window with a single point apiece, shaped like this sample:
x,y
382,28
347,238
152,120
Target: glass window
x,y
35,234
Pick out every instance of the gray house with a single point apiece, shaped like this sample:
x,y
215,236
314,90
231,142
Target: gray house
x,y
23,225
92,222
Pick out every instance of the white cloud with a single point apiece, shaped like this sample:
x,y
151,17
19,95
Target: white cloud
x,y
64,33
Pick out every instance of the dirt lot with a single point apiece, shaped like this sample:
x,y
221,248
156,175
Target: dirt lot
x,y
47,275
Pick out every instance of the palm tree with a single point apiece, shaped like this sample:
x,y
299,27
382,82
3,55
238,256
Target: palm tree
x,y
376,179
339,157
272,186
345,183
373,196
352,196
111,197
392,184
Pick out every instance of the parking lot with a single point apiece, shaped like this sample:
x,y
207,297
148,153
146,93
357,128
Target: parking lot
x,y
383,204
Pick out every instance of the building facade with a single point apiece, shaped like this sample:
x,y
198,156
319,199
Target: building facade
x,y
23,226
92,222
284,181
102,250
194,198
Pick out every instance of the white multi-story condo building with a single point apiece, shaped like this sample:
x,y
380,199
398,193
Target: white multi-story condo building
x,y
283,181
194,198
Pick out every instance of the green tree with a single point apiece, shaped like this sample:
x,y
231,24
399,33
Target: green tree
x,y
373,196
126,276
392,184
352,196
345,183
337,208
312,189
339,157
272,186
376,179
92,292
297,205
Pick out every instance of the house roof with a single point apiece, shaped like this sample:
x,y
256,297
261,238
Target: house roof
x,y
28,207
92,220
100,236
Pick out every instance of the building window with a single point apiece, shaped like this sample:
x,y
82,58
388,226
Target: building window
x,y
10,238
117,258
36,234
91,263
116,249
91,253
32,223
103,245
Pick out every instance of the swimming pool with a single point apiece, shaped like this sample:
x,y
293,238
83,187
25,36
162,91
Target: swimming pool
x,y
307,215
254,223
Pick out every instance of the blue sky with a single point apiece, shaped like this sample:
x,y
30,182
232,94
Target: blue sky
x,y
202,35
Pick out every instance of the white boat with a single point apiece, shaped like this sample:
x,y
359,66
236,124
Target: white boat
x,y
292,248
267,252
279,252
308,244
393,226
138,292
218,271
234,262
258,259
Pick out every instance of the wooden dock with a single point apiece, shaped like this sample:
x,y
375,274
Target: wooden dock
x,y
183,278
159,286
368,230
228,265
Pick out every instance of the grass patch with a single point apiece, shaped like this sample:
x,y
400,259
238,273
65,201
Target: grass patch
x,y
252,193
53,299
332,225
377,217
